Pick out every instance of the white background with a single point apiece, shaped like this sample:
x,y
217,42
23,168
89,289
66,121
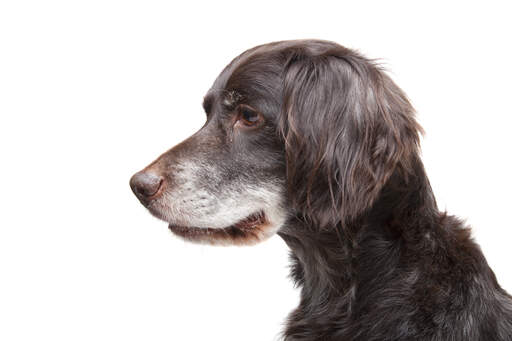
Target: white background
x,y
92,91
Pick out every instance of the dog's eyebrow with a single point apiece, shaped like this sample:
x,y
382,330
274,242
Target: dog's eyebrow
x,y
231,99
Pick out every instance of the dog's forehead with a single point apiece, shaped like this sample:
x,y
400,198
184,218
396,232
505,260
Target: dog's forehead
x,y
253,74
259,70
255,77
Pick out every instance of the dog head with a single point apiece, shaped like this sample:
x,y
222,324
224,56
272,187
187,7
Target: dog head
x,y
303,128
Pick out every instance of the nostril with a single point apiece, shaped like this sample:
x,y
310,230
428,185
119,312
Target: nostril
x,y
145,185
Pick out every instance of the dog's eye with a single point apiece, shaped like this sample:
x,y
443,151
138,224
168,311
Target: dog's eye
x,y
249,117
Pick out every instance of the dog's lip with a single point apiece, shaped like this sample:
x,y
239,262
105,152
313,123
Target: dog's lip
x,y
249,223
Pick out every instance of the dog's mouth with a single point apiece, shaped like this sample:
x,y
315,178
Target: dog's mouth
x,y
247,231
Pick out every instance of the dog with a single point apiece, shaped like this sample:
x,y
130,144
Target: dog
x,y
314,142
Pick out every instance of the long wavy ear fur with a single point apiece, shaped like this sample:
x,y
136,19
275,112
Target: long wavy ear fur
x,y
347,127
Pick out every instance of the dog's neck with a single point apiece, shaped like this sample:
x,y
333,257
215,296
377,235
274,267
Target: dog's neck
x,y
335,265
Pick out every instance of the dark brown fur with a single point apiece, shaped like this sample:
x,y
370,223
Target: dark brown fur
x,y
374,257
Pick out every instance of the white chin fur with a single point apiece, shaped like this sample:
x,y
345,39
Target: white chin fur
x,y
190,205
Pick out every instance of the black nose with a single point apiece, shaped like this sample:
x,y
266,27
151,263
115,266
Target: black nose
x,y
145,185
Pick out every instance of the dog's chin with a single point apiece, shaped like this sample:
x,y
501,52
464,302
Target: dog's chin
x,y
251,230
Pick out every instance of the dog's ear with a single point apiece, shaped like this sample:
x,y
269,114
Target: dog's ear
x,y
347,127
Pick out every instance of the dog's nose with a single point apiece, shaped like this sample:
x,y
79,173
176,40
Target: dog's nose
x,y
145,185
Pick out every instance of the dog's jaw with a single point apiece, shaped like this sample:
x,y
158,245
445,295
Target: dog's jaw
x,y
248,231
